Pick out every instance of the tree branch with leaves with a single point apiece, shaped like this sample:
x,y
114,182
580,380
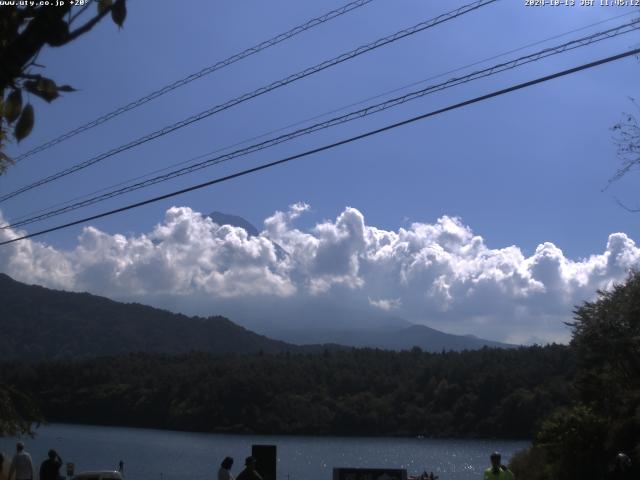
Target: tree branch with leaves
x,y
24,31
18,412
626,136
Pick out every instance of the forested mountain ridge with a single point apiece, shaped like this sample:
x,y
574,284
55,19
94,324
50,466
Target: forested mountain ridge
x,y
494,393
39,323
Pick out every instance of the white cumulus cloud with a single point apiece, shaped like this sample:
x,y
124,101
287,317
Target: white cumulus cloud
x,y
440,273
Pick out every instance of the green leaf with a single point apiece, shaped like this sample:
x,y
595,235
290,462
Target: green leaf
x,y
43,88
104,5
13,106
47,85
48,89
25,123
67,88
119,12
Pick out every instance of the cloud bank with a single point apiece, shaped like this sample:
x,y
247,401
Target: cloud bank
x,y
441,274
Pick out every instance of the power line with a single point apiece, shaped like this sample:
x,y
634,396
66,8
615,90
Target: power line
x,y
261,91
571,45
335,144
194,76
633,25
28,216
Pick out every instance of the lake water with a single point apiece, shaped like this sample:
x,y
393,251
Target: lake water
x,y
164,455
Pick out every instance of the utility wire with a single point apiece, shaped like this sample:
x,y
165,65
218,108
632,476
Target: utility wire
x,y
315,117
262,90
194,76
335,144
581,42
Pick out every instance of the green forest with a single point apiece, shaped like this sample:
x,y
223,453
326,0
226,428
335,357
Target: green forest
x,y
579,403
485,393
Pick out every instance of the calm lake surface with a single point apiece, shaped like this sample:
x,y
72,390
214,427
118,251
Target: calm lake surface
x,y
163,455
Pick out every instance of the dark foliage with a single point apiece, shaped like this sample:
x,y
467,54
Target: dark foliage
x,y
484,393
582,440
18,412
24,31
38,323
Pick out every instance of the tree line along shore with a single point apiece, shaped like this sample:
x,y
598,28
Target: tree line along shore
x,y
579,403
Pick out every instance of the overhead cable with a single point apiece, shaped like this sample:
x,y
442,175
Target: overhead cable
x,y
248,96
307,153
194,76
315,117
370,110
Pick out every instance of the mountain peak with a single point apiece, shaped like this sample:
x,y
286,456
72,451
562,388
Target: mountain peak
x,y
235,221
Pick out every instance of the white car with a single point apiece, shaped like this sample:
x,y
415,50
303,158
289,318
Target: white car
x,y
98,475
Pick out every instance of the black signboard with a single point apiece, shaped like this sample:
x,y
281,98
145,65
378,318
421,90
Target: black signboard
x,y
266,460
369,474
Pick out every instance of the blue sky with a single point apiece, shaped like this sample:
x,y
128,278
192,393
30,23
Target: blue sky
x,y
521,170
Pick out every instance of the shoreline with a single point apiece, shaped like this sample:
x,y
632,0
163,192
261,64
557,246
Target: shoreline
x,y
148,453
283,435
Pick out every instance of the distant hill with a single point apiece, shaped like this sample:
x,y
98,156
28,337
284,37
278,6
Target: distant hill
x,y
428,339
318,321
306,316
40,323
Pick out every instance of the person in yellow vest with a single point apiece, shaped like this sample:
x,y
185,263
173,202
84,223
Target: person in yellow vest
x,y
497,471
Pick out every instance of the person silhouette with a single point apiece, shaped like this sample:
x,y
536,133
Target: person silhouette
x,y
497,471
21,464
50,468
224,473
249,472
